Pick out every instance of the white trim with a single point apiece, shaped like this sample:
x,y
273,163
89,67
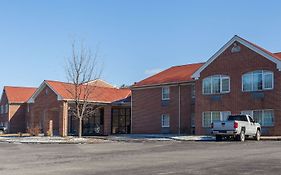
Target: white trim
x,y
162,84
38,90
196,74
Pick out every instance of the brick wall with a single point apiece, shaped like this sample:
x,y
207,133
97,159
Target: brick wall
x,y
147,108
235,65
17,118
45,108
15,115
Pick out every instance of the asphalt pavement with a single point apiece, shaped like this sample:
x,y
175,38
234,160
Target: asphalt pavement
x,y
157,158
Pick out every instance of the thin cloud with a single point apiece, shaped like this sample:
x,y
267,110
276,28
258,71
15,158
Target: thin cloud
x,y
152,71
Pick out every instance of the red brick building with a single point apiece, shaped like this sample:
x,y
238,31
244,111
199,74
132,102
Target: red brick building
x,y
240,78
13,107
49,109
165,102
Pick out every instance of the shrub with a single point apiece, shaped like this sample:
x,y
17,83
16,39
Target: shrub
x,y
34,131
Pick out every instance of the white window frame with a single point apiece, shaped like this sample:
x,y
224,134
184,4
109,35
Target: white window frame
x,y
251,113
263,72
221,116
163,125
193,92
163,90
6,108
221,77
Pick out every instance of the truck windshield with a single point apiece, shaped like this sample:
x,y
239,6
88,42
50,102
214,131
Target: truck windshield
x,y
237,117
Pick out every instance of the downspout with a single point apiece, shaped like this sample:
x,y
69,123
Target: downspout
x,y
131,112
179,127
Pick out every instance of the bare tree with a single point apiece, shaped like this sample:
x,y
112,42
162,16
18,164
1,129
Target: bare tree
x,y
81,68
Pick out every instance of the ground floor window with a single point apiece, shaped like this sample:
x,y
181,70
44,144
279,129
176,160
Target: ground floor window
x,y
121,121
265,117
91,125
212,116
165,120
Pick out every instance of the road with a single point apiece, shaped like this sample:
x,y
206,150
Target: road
x,y
157,158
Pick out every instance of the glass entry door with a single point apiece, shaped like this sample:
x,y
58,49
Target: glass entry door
x,y
121,121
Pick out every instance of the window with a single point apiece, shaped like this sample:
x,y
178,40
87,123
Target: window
x,y
216,84
193,91
165,120
209,117
257,80
6,108
264,117
1,109
165,93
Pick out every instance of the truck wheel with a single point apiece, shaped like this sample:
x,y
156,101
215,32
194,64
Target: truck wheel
x,y
258,135
242,136
218,138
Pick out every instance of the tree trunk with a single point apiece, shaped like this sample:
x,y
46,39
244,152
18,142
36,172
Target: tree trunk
x,y
80,128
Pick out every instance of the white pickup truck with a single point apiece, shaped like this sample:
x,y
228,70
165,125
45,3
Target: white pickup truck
x,y
237,126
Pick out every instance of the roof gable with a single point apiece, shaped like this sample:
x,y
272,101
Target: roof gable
x,y
18,94
270,56
175,74
100,83
99,94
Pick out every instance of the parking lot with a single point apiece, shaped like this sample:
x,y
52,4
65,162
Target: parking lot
x,y
157,157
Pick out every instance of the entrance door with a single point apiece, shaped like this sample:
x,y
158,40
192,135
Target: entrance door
x,y
93,125
121,121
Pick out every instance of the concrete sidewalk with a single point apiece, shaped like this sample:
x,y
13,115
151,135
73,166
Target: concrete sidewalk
x,y
51,140
114,138
159,137
171,137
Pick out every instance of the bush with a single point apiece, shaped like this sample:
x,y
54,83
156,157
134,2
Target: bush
x,y
34,131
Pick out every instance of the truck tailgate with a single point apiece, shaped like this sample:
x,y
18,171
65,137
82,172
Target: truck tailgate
x,y
223,125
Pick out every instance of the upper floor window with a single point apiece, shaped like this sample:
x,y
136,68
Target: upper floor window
x,y
216,84
1,109
257,80
165,93
193,91
6,108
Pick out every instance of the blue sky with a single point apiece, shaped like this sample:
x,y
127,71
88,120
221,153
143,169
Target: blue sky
x,y
136,38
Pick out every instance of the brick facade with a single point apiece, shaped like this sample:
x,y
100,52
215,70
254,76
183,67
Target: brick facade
x,y
14,117
51,115
239,58
235,65
148,108
45,108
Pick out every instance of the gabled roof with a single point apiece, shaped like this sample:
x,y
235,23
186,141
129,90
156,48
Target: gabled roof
x,y
175,74
276,58
98,94
18,94
278,54
100,83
